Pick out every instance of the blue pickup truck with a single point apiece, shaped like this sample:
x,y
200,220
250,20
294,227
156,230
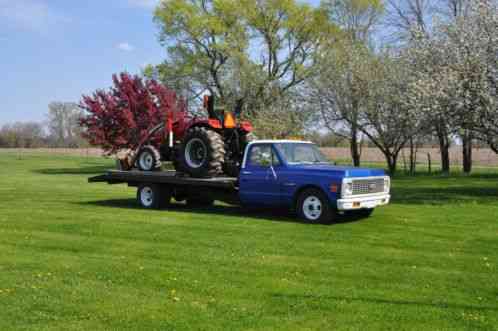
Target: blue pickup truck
x,y
274,173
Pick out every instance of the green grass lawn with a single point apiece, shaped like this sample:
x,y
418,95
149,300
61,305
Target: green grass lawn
x,y
78,256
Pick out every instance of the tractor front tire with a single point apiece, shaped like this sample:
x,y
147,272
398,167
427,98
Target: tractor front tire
x,y
201,154
148,159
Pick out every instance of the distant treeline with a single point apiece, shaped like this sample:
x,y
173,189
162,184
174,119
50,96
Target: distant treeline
x,y
61,129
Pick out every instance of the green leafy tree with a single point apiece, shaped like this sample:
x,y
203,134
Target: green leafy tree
x,y
357,18
251,52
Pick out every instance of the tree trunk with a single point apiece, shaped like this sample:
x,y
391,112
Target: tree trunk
x,y
413,157
444,147
467,151
445,158
355,146
392,161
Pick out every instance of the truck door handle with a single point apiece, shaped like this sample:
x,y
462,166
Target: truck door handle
x,y
246,173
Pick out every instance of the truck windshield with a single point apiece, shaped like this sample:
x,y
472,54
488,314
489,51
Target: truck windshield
x,y
301,153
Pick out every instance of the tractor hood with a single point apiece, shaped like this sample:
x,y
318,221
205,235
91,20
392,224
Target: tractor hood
x,y
339,170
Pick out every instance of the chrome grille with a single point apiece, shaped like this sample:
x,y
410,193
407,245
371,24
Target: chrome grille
x,y
368,186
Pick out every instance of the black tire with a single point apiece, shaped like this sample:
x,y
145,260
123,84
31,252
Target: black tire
x,y
148,159
201,154
314,207
153,196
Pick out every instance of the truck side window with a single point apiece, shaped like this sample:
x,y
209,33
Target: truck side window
x,y
263,156
260,156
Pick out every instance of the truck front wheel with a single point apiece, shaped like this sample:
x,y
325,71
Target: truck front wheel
x,y
314,207
152,196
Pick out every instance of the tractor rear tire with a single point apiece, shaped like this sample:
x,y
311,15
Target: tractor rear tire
x,y
148,159
201,154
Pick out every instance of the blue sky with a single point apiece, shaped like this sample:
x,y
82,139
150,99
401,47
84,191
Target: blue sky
x,y
57,50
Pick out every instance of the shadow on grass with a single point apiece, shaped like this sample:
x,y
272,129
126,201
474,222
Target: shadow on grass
x,y
87,170
439,305
266,214
444,195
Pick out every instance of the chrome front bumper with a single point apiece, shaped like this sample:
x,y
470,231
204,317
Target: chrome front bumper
x,y
365,202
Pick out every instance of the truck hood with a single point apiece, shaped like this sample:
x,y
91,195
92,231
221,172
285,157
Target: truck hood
x,y
339,170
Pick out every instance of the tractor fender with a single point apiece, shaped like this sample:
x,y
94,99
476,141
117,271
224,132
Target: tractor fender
x,y
207,123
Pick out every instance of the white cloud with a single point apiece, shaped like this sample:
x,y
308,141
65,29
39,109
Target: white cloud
x,y
29,14
126,47
144,3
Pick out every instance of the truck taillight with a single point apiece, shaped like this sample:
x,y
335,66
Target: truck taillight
x,y
229,122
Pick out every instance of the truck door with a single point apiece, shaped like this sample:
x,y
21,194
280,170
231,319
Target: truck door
x,y
259,182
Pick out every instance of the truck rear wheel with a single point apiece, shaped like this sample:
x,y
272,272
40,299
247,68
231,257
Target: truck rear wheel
x,y
153,196
201,153
314,207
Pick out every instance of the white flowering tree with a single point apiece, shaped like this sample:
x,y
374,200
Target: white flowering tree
x,y
474,41
431,89
454,75
387,121
341,91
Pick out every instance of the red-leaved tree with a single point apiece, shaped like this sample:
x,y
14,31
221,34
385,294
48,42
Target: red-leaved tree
x,y
121,117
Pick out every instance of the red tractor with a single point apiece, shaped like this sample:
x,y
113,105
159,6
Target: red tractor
x,y
199,147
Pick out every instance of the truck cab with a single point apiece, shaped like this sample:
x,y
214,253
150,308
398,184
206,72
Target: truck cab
x,y
295,174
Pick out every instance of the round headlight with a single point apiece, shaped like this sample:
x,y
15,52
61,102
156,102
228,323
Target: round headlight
x,y
347,189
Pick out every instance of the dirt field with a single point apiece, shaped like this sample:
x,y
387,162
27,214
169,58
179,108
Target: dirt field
x,y
482,157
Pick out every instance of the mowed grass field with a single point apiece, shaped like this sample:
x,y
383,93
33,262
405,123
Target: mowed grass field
x,y
79,256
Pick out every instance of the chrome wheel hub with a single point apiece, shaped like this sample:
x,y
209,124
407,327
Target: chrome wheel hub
x,y
147,196
312,208
146,161
195,153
